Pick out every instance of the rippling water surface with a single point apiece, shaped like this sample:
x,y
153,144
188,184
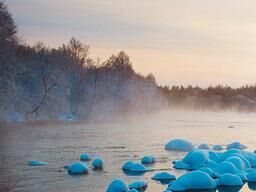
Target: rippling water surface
x,y
60,144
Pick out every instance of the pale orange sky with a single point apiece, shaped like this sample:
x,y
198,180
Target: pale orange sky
x,y
180,41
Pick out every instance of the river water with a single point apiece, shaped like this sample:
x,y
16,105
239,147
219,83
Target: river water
x,y
115,142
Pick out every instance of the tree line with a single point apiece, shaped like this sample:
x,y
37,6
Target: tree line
x,y
41,83
38,82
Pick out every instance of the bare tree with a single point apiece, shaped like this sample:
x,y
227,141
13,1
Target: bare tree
x,y
79,53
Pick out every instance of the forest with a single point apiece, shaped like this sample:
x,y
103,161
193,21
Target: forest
x,y
42,83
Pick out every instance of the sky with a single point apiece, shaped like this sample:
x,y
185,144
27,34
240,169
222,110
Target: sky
x,y
185,42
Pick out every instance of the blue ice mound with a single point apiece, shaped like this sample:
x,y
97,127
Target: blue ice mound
x,y
130,166
196,158
163,176
97,163
251,157
228,179
36,163
217,147
195,180
248,158
226,167
133,190
138,185
148,159
77,168
127,165
236,145
117,185
85,157
208,170
179,145
238,162
214,156
229,153
181,165
251,176
243,176
204,146
138,167
211,164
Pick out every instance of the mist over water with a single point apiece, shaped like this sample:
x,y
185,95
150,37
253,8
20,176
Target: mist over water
x,y
115,142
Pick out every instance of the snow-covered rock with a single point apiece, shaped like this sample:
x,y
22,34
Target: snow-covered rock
x,y
204,146
236,145
36,163
148,159
217,147
117,185
141,184
77,168
85,157
228,179
179,145
163,176
195,180
97,163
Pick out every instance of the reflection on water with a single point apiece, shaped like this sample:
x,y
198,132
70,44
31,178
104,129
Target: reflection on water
x,y
60,144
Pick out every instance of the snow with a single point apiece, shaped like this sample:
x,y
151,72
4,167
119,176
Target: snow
x,y
163,176
117,185
85,157
148,159
138,184
194,180
236,145
217,147
228,179
97,163
77,168
36,163
179,145
204,146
